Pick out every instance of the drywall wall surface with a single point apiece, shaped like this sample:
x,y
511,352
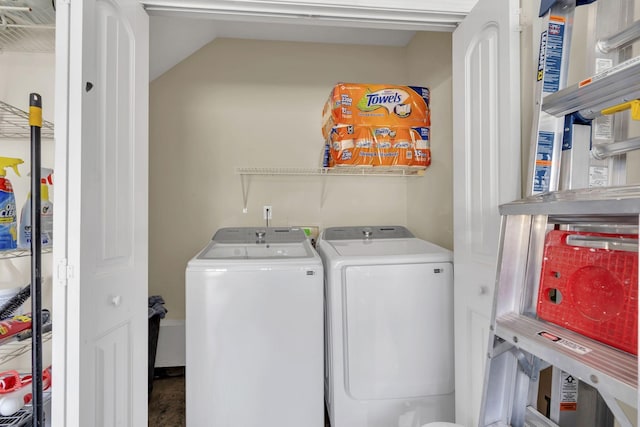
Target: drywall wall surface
x,y
246,103
24,73
430,198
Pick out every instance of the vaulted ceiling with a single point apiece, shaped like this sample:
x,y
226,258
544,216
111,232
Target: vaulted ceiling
x,y
173,39
179,28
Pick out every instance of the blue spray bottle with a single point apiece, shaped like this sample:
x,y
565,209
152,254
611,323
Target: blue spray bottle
x,y
8,216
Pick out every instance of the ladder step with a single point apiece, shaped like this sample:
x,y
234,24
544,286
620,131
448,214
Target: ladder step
x,y
604,368
533,418
602,203
617,85
616,41
604,151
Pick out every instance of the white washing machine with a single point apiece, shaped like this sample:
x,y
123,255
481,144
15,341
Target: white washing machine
x,y
254,331
389,328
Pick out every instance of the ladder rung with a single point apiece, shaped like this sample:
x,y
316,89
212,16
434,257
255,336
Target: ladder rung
x,y
624,37
601,366
604,151
601,203
614,86
533,418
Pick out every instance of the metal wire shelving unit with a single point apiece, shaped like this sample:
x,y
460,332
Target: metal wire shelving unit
x,y
19,253
14,123
12,348
23,417
27,26
18,124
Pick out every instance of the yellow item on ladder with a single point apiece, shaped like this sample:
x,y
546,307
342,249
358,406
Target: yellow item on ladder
x,y
634,106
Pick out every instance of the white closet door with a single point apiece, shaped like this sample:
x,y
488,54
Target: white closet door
x,y
100,250
486,133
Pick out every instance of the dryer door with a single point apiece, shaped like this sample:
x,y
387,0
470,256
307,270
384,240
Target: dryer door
x,y
398,330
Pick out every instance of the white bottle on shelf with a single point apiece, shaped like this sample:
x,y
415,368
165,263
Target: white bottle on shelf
x,y
46,214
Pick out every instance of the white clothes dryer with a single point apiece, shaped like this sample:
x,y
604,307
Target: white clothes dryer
x,y
254,331
388,328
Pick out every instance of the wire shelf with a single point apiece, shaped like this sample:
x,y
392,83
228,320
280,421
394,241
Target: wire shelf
x,y
18,253
341,171
24,28
20,418
24,416
12,348
14,123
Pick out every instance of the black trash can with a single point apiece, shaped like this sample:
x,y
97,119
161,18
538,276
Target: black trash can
x,y
156,312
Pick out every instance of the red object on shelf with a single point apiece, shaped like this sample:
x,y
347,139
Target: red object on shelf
x,y
591,290
14,326
16,391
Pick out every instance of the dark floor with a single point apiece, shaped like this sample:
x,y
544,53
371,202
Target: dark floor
x,y
167,407
167,404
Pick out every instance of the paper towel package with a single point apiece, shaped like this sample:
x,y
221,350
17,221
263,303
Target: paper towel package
x,y
377,125
354,145
376,105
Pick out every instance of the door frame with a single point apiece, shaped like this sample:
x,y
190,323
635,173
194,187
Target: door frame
x,y
62,271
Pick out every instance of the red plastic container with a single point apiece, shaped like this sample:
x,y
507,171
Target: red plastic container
x,y
592,291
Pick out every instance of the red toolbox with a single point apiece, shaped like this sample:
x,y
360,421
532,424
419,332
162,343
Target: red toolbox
x,y
591,290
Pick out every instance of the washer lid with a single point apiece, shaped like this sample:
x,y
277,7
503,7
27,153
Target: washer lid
x,y
255,251
257,243
391,248
259,235
367,232
380,242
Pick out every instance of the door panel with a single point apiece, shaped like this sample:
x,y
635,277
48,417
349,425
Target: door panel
x,y
486,151
482,144
100,349
112,400
478,327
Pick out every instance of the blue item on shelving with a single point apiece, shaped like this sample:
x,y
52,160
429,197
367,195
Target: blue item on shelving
x,y
8,215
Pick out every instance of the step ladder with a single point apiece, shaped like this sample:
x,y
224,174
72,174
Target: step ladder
x,y
568,197
521,344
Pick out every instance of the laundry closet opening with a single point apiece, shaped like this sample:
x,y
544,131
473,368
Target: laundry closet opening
x,y
254,102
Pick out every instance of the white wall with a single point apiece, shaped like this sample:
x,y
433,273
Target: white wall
x,y
20,75
430,199
241,103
